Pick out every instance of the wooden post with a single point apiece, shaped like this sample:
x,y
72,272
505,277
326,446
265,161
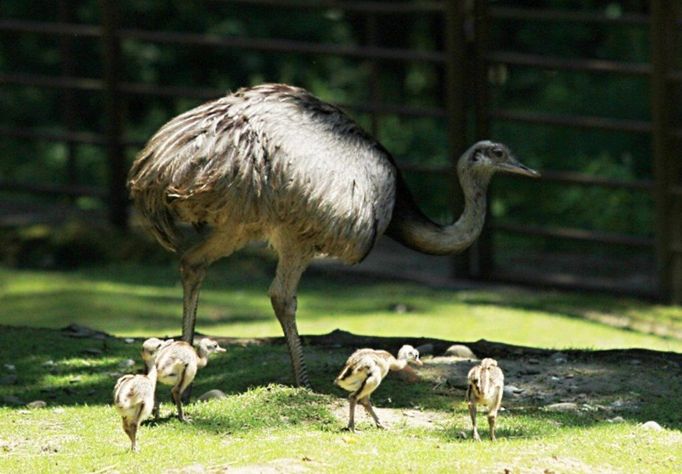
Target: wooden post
x,y
662,158
111,50
68,99
374,79
482,251
455,101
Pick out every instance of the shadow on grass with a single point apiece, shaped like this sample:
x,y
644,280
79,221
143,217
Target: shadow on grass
x,y
84,371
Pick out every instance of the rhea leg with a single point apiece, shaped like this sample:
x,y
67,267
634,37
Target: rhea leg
x,y
492,414
283,297
352,401
368,407
472,413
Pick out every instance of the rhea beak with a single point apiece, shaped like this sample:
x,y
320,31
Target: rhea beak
x,y
514,167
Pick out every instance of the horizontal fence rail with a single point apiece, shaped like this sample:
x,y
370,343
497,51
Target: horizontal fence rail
x,y
441,58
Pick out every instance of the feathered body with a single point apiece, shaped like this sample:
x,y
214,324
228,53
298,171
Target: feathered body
x,y
275,163
178,362
485,387
363,372
134,401
246,163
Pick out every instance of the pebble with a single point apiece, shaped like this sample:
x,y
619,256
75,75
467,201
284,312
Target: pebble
x,y
652,425
10,367
214,394
10,379
124,364
400,308
559,358
92,351
425,349
512,390
460,350
128,340
533,361
562,407
616,419
58,411
36,404
49,363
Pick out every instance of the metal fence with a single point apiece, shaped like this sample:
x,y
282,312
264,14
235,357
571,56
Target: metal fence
x,y
464,57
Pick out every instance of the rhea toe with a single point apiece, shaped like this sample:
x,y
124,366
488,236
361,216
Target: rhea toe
x,y
363,372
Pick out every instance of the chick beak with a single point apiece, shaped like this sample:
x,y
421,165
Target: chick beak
x,y
220,349
515,167
418,362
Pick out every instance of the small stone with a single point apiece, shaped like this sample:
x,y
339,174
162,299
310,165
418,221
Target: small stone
x,y
616,419
562,407
635,362
425,349
530,372
400,308
512,390
36,404
559,358
92,351
49,363
652,425
554,378
460,350
58,410
12,400
10,379
127,363
10,367
214,394
533,361
128,340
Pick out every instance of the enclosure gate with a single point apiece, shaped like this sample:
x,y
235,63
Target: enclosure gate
x,y
466,53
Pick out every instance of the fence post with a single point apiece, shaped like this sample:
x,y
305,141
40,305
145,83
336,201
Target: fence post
x,y
662,158
68,99
455,102
111,51
482,251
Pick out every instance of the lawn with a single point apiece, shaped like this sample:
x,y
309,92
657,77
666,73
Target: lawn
x,y
265,426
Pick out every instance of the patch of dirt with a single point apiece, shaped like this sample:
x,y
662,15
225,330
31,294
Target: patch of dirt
x,y
390,417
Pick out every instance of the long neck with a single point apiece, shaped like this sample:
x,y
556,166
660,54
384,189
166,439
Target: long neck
x,y
413,229
397,364
202,358
151,371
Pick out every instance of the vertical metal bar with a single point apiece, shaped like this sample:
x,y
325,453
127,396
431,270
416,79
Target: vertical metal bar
x,y
482,250
68,100
111,51
455,99
374,80
661,155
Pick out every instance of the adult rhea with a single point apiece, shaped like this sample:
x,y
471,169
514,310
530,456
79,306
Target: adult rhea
x,y
275,163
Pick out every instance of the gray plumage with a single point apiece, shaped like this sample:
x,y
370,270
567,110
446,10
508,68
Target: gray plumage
x,y
275,163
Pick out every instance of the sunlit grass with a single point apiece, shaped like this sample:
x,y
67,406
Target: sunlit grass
x,y
143,301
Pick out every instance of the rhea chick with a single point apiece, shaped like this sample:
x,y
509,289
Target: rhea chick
x,y
177,364
485,386
134,400
364,371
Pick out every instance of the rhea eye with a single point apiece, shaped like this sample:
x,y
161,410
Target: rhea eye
x,y
498,152
474,157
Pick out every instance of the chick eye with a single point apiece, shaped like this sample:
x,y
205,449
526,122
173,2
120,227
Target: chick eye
x,y
498,152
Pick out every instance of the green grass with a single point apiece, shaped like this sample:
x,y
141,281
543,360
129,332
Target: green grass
x,y
264,423
143,301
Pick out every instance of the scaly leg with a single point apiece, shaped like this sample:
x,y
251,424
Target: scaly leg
x,y
283,298
491,424
472,413
351,415
368,406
